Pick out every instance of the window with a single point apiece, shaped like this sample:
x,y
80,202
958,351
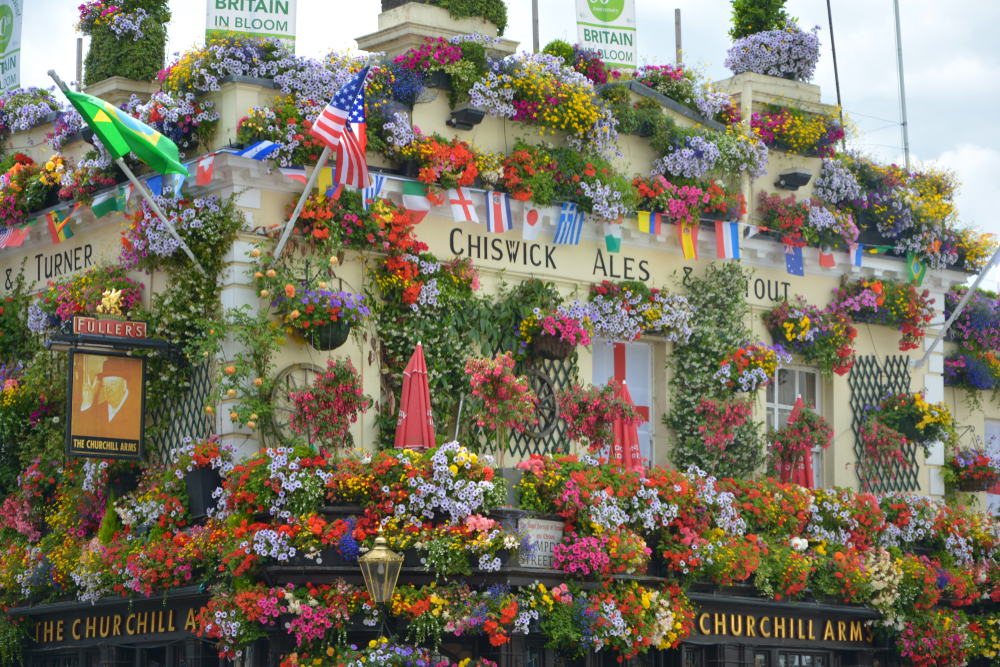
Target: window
x,y
802,660
760,660
790,383
692,657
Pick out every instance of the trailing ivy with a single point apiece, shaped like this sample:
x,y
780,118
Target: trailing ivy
x,y
719,326
494,11
139,59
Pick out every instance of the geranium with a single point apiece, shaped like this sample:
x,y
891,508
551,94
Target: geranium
x,y
590,414
529,174
726,202
720,420
327,409
804,432
444,165
888,303
82,295
882,445
303,305
972,469
508,401
790,53
181,117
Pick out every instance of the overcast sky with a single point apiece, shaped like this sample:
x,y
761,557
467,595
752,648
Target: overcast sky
x,y
950,52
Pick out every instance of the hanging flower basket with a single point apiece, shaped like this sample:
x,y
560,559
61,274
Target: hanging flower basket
x,y
329,336
974,485
547,346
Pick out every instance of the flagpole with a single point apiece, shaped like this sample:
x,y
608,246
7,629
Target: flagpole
x,y
145,193
958,309
148,196
290,225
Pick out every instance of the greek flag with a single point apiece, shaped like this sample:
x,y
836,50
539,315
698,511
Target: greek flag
x,y
570,225
372,193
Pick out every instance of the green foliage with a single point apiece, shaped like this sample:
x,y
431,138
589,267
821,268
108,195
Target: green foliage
x,y
182,313
110,524
753,16
645,118
562,49
494,11
140,59
466,72
16,341
14,635
719,326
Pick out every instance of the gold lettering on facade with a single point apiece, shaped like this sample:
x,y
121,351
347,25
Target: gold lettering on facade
x,y
91,629
141,622
779,627
701,624
170,622
762,622
190,623
736,625
116,630
59,631
720,622
841,634
105,626
855,631
73,630
128,626
828,631
751,621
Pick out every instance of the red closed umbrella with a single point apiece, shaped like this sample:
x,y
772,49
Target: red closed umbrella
x,y
415,426
800,473
625,452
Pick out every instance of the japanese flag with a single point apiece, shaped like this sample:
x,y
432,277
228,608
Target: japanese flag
x,y
532,222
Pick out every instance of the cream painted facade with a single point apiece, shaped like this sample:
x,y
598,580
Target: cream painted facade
x,y
656,260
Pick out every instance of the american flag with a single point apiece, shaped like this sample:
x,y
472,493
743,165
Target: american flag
x,y
352,167
357,121
5,236
329,126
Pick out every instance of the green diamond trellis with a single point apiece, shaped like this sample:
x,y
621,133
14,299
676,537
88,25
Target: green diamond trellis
x,y
563,375
186,416
869,382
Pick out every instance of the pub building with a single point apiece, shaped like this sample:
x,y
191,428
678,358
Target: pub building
x,y
731,626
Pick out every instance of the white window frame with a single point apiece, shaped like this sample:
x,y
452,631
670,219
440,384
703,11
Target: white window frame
x,y
772,408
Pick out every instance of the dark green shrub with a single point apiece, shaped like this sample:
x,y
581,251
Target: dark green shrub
x,y
494,11
558,47
140,59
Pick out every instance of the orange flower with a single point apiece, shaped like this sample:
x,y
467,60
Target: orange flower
x,y
290,291
230,369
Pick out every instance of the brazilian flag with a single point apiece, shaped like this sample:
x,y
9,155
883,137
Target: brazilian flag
x,y
121,134
918,269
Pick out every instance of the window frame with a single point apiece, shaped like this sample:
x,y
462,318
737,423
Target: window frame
x,y
772,409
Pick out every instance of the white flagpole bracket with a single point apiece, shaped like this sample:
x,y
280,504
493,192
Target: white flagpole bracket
x,y
958,310
148,196
290,225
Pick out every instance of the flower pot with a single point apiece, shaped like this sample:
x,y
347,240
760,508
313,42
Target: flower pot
x,y
908,427
123,484
329,557
974,485
191,143
439,79
201,484
329,336
414,558
334,512
547,346
409,168
713,217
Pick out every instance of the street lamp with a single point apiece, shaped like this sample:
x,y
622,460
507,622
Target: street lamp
x,y
380,568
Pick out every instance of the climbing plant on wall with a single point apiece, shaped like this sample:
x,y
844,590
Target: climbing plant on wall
x,y
719,326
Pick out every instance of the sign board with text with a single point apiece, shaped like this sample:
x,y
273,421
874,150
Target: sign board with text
x,y
260,18
106,396
608,26
10,44
543,535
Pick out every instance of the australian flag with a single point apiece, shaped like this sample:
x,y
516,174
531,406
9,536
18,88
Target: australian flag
x,y
793,261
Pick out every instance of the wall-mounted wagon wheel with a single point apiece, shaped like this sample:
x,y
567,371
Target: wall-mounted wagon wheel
x,y
547,410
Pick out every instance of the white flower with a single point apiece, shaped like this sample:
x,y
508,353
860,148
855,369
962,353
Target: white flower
x,y
799,543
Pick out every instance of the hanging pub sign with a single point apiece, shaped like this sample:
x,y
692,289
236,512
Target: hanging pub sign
x,y
106,396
